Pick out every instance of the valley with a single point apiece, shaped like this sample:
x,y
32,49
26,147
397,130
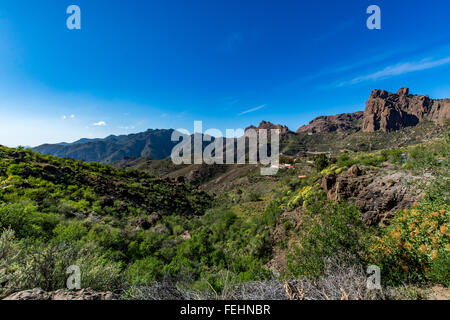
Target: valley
x,y
369,188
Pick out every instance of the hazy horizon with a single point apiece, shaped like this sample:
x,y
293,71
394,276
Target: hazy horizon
x,y
137,65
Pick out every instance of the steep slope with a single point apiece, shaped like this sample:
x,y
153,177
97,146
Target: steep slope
x,y
79,188
266,125
387,111
362,141
340,122
154,144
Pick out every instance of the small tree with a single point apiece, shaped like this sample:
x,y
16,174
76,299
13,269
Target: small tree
x,y
320,161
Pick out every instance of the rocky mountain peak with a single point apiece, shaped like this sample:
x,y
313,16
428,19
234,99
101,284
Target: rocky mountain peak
x,y
340,122
387,111
403,91
268,126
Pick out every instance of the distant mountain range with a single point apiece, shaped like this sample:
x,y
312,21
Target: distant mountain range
x,y
153,144
385,112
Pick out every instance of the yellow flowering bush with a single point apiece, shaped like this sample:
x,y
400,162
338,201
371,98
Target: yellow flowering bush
x,y
305,196
333,169
416,245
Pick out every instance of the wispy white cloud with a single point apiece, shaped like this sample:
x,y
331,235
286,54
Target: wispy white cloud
x,y
340,70
100,124
398,69
252,110
354,64
64,117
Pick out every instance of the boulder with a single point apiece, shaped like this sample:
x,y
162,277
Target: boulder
x,y
186,235
143,224
328,182
153,218
84,294
147,223
354,171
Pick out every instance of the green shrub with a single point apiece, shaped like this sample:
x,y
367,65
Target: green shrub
x,y
25,219
325,231
371,159
98,271
10,254
45,266
440,269
415,246
72,232
344,161
393,155
145,271
254,196
420,157
321,161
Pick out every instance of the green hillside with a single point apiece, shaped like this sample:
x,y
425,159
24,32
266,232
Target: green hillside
x,y
127,229
48,201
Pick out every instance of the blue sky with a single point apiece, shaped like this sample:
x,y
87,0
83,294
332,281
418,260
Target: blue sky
x,y
140,64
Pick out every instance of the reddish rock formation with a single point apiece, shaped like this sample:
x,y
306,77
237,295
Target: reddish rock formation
x,y
387,111
284,130
378,194
354,171
340,122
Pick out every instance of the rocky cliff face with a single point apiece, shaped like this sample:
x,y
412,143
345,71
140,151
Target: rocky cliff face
x,y
378,193
393,111
340,122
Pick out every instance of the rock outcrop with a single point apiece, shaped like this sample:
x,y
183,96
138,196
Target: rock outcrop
x,y
284,130
377,194
340,122
387,111
150,221
84,294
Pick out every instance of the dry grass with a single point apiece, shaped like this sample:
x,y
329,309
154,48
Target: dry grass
x,y
339,282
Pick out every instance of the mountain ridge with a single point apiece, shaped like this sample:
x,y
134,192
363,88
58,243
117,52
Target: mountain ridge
x,y
153,143
385,111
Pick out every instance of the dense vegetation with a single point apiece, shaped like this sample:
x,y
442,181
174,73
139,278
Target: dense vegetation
x,y
49,203
126,228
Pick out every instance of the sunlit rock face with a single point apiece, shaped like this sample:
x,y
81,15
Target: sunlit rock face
x,y
387,111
